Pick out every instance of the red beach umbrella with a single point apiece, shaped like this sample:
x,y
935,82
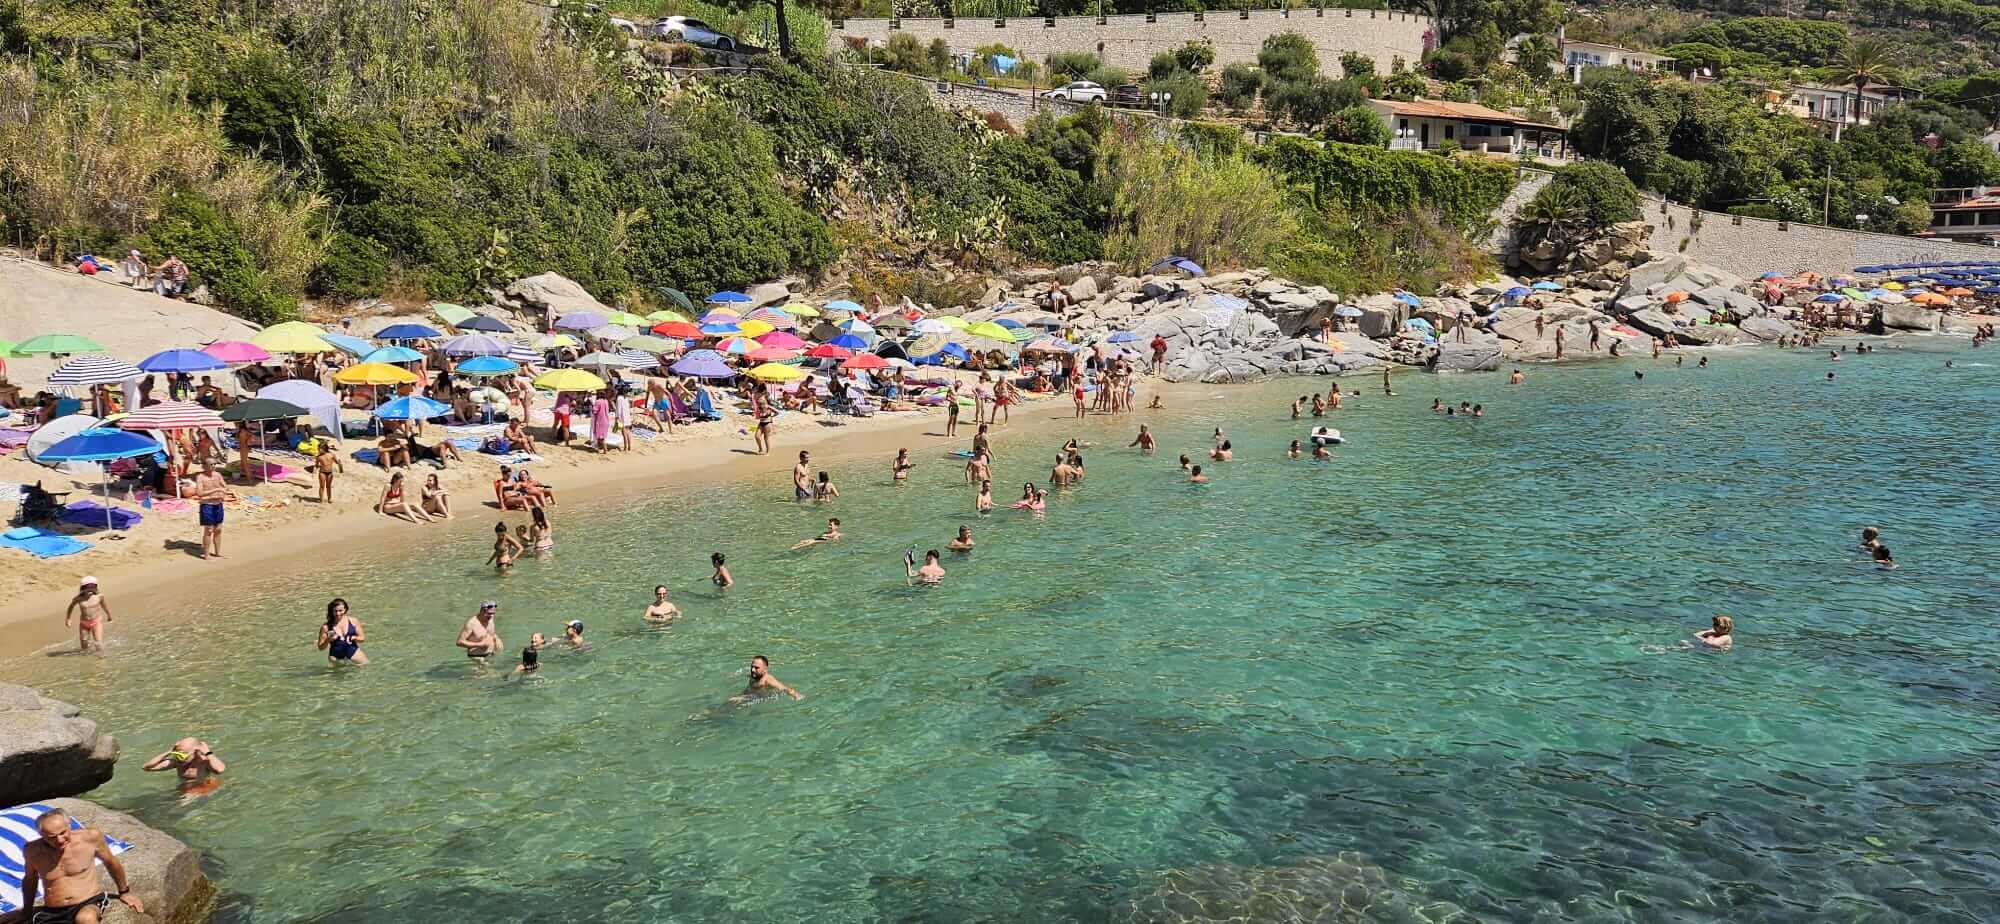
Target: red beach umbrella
x,y
678,329
829,351
864,361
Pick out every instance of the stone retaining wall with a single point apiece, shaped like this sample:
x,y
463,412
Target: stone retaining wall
x,y
1130,40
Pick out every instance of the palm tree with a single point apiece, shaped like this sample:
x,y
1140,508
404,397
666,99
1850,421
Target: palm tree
x,y
1866,61
1556,214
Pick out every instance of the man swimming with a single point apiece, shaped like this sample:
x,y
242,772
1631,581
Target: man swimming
x,y
832,534
189,758
1223,453
661,610
1144,440
480,637
1196,477
61,866
1870,538
573,635
963,543
762,683
930,573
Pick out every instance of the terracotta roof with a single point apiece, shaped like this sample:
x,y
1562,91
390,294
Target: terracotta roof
x,y
1440,109
1976,202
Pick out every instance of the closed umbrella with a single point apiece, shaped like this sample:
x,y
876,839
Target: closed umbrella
x,y
408,332
475,345
181,361
99,444
95,370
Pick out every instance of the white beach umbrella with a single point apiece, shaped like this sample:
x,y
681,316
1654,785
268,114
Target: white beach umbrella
x,y
95,370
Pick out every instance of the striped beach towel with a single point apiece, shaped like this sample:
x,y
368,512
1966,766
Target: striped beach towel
x,y
17,828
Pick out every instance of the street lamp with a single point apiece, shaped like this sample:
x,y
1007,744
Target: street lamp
x,y
1160,100
1403,136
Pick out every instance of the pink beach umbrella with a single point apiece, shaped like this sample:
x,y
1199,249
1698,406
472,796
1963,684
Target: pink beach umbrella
x,y
236,351
783,340
771,354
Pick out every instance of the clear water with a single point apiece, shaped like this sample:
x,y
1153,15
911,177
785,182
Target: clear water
x,y
1419,682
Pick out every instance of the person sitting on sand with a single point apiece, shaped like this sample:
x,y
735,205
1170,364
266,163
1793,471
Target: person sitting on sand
x,y
392,451
963,543
480,637
832,534
394,502
930,573
1156,405
1196,477
517,436
435,500
1717,636
537,493
662,610
762,683
189,758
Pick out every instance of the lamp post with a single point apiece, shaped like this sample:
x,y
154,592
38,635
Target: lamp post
x,y
1403,136
1160,99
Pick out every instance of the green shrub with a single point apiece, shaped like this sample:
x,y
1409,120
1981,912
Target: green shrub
x,y
191,228
1219,211
1195,56
1213,139
905,52
1606,195
1288,57
1358,125
354,267
1071,65
1356,64
1190,94
265,104
1377,182
1050,213
1240,83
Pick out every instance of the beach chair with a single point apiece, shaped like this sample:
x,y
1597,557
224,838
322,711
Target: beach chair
x,y
858,404
678,409
68,406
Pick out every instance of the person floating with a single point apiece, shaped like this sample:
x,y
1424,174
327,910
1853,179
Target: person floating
x,y
832,534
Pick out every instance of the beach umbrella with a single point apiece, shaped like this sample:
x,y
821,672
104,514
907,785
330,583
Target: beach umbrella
x,y
1123,336
613,332
1517,292
861,361
736,346
720,330
720,316
555,342
892,322
95,370
1893,286
253,409
1410,300
580,320
841,304
601,361
171,415
679,298
1855,294
1890,298
782,340
485,323
100,444
1989,290
392,354
451,314
412,407
955,322
829,351
857,326
1773,275
640,359
181,361
487,365
650,344
682,330
665,315
704,364
568,380
1930,298
1828,297
1182,264
475,345
932,326
727,297
1547,286
524,355
1040,345
284,339
1348,311
927,344
774,372
236,352
753,328
801,310
374,374
1958,291
408,332
849,341
55,345
348,344
778,320
1008,323
770,354
625,319
991,331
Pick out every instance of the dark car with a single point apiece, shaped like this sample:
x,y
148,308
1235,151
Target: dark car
x,y
1130,94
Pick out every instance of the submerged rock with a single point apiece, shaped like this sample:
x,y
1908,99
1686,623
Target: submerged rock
x,y
1343,889
48,749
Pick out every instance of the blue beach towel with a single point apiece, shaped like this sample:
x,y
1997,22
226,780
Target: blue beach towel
x,y
17,828
706,407
44,544
368,456
91,513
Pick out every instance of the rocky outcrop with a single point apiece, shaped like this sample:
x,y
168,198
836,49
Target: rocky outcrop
x,y
1464,357
549,295
164,873
1765,329
48,749
1909,317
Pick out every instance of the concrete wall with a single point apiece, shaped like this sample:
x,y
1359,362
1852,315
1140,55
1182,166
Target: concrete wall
x,y
1130,42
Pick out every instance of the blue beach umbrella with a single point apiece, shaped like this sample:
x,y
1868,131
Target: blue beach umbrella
x,y
181,361
1410,300
1123,336
408,332
412,407
1988,290
727,297
849,341
841,304
393,354
1516,292
1547,286
348,343
1183,264
720,330
1828,297
1009,323
1348,311
488,365
100,444
483,323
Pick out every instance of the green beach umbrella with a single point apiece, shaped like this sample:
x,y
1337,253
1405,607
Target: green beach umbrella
x,y
56,343
6,347
451,314
679,298
651,344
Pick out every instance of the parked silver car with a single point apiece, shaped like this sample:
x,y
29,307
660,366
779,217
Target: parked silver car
x,y
694,32
1078,91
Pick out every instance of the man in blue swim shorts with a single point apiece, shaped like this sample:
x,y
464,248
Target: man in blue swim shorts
x,y
211,490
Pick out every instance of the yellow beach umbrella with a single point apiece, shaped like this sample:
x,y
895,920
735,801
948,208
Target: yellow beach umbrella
x,y
663,315
991,331
955,322
776,372
373,374
568,380
626,318
754,328
287,339
800,310
1893,286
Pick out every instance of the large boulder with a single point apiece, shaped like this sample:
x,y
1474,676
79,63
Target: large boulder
x,y
553,295
1909,317
1655,322
770,293
1187,364
164,873
1765,329
1466,357
48,749
1710,335
1083,289
1656,271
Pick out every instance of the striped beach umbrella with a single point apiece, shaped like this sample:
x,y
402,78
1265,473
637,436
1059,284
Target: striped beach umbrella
x,y
171,415
640,359
95,370
475,345
525,355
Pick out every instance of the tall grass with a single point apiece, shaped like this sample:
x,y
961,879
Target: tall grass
x,y
1216,209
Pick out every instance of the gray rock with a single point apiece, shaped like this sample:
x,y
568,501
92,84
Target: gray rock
x,y
164,873
1909,317
1710,334
994,294
1632,303
1713,296
1653,272
48,749
1083,289
1766,329
552,295
770,293
1656,322
1270,287
1186,364
1465,357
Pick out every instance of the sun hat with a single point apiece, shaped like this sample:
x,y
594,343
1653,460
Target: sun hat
x,y
88,580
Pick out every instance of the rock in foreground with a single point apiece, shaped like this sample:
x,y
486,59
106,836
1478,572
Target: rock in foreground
x,y
48,749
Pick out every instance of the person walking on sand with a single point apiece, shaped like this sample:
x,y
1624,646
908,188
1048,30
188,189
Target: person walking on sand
x,y
600,422
210,490
802,478
92,613
60,868
480,637
951,409
662,610
324,465
341,636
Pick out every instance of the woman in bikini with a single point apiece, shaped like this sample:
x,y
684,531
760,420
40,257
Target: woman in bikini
x,y
394,504
505,547
721,576
543,534
436,500
342,635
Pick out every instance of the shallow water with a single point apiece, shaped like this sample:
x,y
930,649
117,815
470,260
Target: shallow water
x,y
1423,681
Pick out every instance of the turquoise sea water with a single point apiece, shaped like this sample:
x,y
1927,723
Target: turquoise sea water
x,y
1424,680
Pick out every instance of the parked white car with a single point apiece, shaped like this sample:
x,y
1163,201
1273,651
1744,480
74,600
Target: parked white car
x,y
694,32
1079,91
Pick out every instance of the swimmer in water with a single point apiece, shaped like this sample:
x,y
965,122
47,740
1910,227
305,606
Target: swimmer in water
x,y
1156,405
1833,355
192,761
1295,406
1870,538
531,655
963,543
1638,376
1293,452
930,573
505,548
762,683
1829,376
1883,559
1223,453
1144,440
1437,405
824,490
1319,452
1184,462
662,610
1517,378
721,576
1319,406
1196,477
900,469
984,503
1717,636
832,534
1703,364
573,635
1479,410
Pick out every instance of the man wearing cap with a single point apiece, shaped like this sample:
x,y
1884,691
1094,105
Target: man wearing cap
x,y
94,614
481,638
61,865
573,634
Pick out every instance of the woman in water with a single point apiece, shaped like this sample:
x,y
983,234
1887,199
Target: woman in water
x,y
824,490
541,532
901,468
1293,452
662,610
721,576
505,547
1717,636
342,635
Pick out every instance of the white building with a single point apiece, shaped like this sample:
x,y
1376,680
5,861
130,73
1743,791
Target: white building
x,y
1574,54
1425,124
1839,106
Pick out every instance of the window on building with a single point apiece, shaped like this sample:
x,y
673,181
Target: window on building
x,y
1448,130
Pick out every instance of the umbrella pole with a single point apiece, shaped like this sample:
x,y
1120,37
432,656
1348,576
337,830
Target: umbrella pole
x,y
104,473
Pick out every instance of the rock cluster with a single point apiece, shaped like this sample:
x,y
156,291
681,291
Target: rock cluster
x,y
48,749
